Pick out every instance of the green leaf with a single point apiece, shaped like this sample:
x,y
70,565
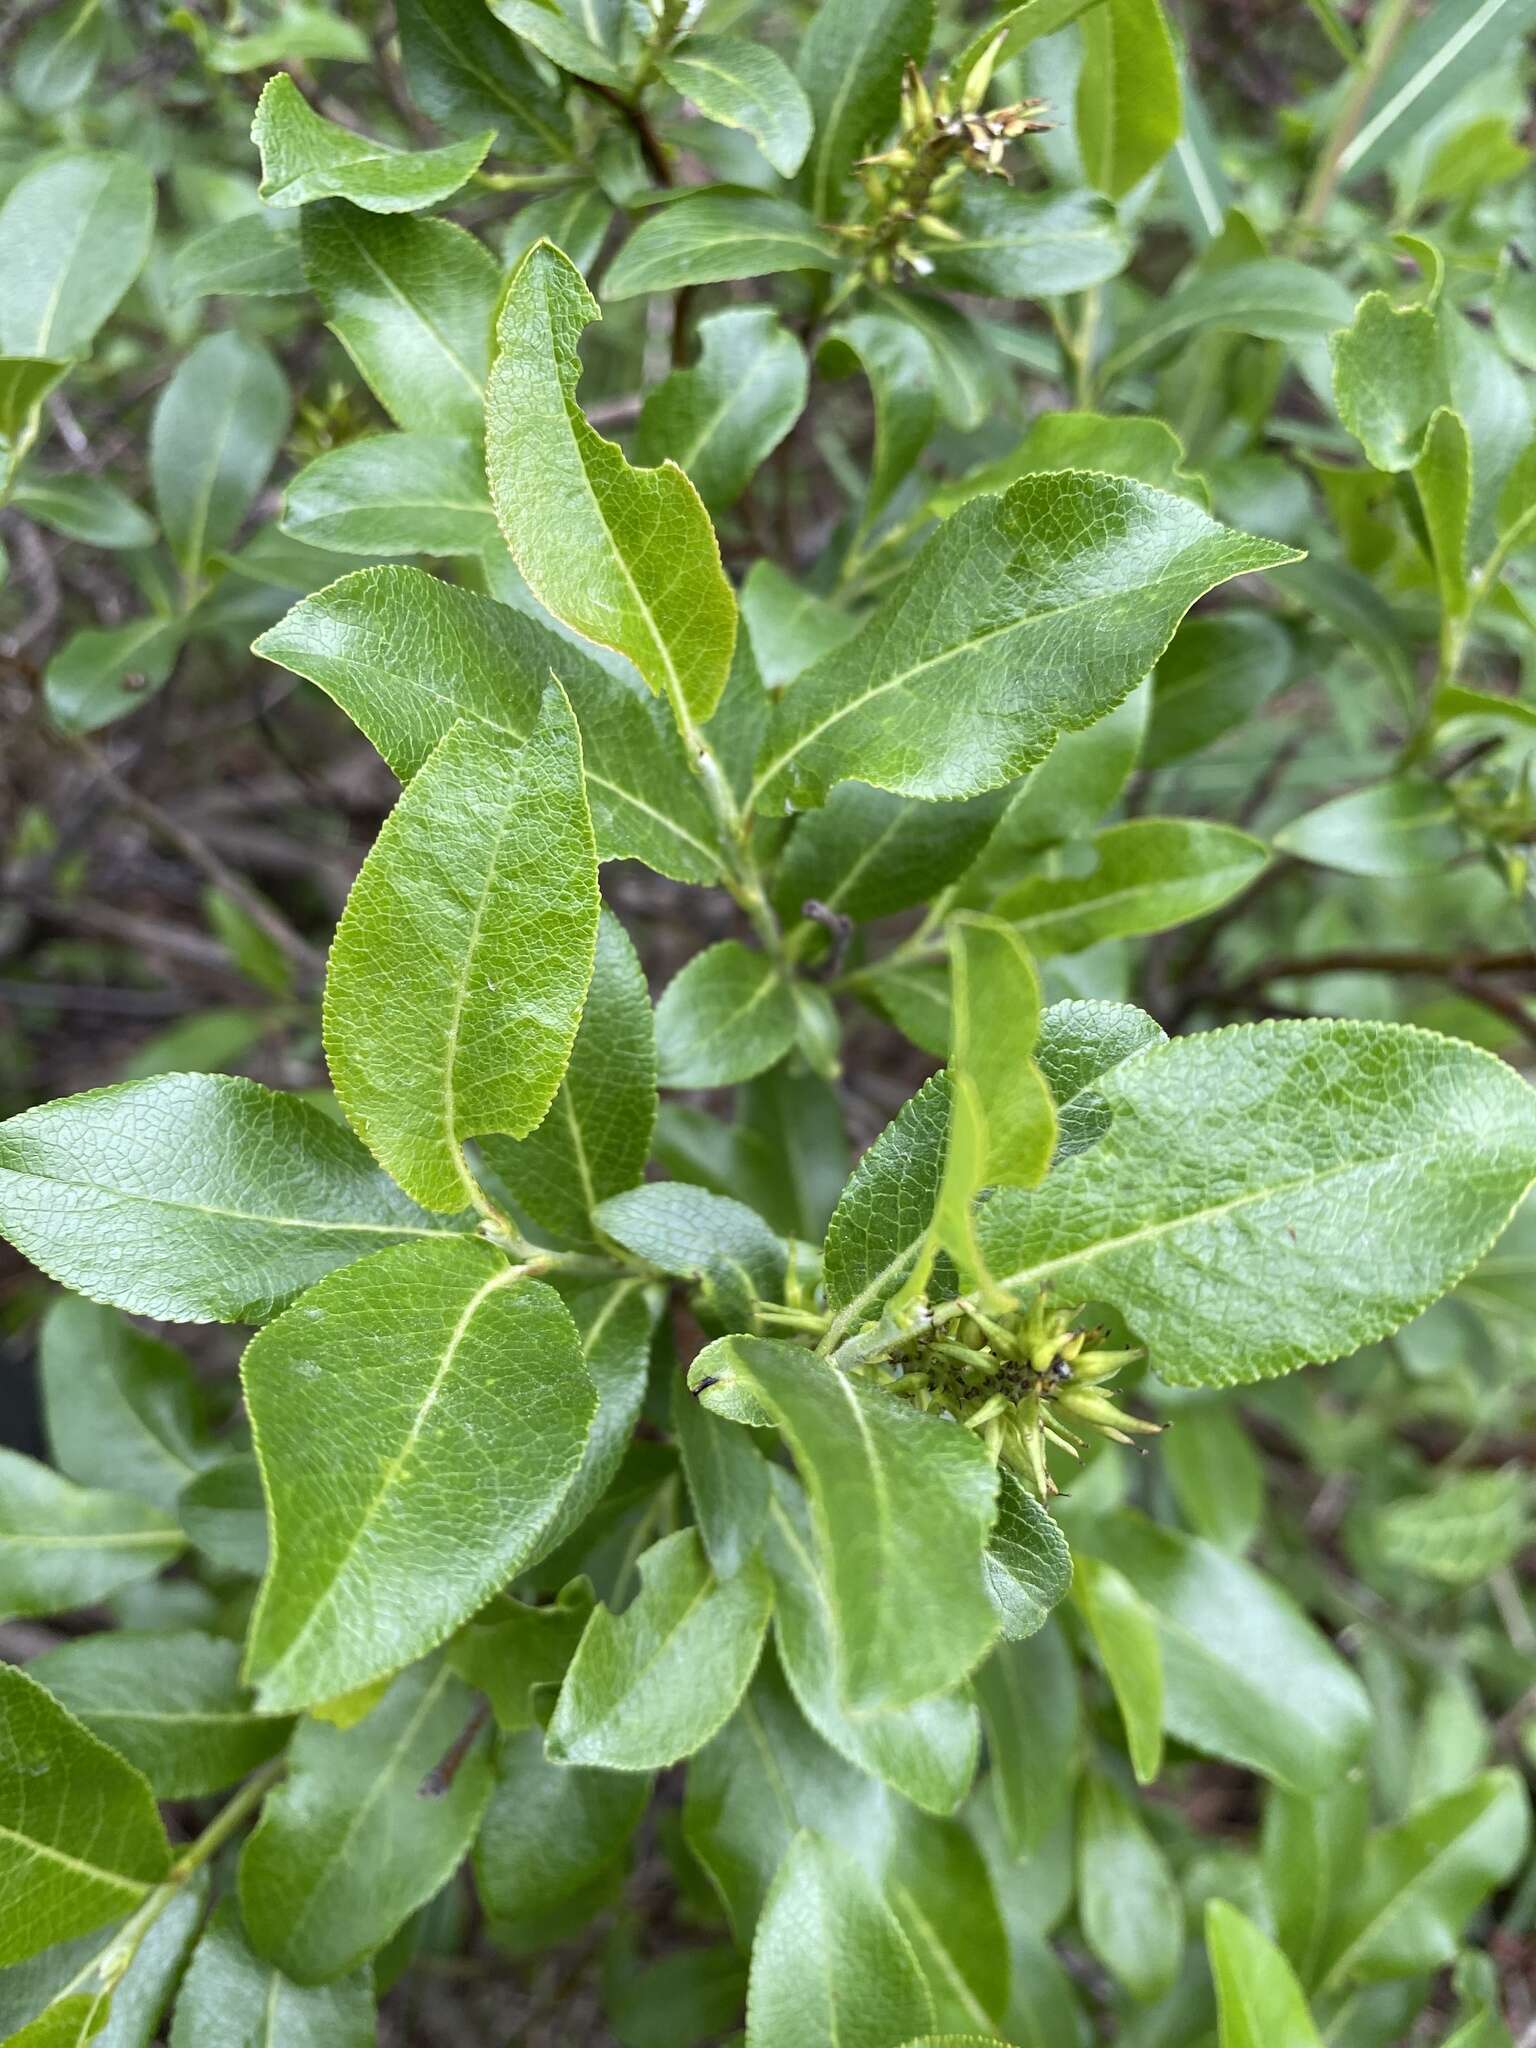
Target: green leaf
x,y
1311,1850
996,1008
714,237
926,1752
194,1197
224,1512
615,1323
124,1410
576,219
1062,799
1151,873
1440,54
1513,306
255,255
1261,2004
883,1215
207,1042
412,302
394,494
830,1961
791,1130
80,1840
787,626
1442,476
101,674
1128,1903
744,85
972,378
1028,1564
350,1844
1217,673
74,232
729,1014
727,1480
476,1391
901,1504
942,1894
304,157
1406,826
1028,245
511,1651
172,1705
1017,28
1142,448
303,30
1390,379
1469,1527
766,1775
62,1546
1032,1707
230,1994
69,2023
596,1138
406,656
720,420
465,71
1125,1634
551,1830
216,429
1245,1675
589,51
903,379
25,381
850,64
1272,297
1079,1043
57,57
866,853
88,508
700,1236
1423,1879
1024,617
654,1683
1128,102
1272,1152
1484,2030
1216,1474
631,559
462,960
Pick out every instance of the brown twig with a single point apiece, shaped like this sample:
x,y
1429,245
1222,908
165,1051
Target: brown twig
x,y
439,1780
265,916
1469,974
651,147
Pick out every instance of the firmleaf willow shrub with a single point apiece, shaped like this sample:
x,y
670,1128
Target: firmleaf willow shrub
x,y
1058,619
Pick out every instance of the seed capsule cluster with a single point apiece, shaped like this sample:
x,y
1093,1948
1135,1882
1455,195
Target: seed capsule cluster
x,y
1021,1380
911,187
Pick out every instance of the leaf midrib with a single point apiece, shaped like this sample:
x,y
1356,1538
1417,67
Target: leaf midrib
x,y
51,306
391,1474
1146,1233
476,385
136,1887
1395,1905
1063,913
622,1708
226,1214
1022,622
371,1797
